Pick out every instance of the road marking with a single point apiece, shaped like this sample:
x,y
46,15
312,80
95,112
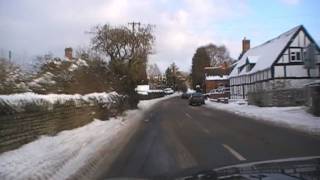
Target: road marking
x,y
188,115
202,128
234,153
206,130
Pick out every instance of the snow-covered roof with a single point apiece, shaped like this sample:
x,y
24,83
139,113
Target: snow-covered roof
x,y
253,59
211,78
265,54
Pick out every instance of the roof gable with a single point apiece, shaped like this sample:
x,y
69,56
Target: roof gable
x,y
267,53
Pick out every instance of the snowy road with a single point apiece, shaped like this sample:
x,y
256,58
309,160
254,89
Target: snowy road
x,y
177,139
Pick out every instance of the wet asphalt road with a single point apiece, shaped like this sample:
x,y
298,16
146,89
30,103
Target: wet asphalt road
x,y
177,139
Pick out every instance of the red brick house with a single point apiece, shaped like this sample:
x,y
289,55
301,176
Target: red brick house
x,y
216,77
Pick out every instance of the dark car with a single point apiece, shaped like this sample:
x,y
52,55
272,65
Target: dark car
x,y
185,95
197,99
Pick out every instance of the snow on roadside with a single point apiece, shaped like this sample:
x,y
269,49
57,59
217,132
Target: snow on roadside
x,y
61,156
292,117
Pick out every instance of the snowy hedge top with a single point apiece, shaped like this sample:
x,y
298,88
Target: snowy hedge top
x,y
21,99
47,78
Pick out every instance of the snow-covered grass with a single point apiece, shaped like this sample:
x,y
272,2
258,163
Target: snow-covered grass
x,y
69,152
292,117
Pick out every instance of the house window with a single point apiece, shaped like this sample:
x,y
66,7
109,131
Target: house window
x,y
293,57
295,54
298,55
248,68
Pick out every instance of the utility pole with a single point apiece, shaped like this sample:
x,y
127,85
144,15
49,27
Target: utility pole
x,y
10,55
133,24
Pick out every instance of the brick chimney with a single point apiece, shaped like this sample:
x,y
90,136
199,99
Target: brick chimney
x,y
68,53
245,45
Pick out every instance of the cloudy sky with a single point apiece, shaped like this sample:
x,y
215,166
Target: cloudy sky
x,y
35,27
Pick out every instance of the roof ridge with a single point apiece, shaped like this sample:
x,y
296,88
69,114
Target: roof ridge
x,y
289,32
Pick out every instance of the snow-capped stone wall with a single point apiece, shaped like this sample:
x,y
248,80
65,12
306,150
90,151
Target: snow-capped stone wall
x,y
25,117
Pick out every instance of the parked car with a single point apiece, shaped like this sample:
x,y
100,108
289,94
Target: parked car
x,y
197,99
168,91
185,95
220,94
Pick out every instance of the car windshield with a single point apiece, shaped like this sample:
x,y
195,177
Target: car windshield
x,y
159,89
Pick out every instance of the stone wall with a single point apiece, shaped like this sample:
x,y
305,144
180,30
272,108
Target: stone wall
x,y
313,98
283,97
20,127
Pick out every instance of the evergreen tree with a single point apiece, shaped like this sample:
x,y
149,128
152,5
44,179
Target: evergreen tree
x,y
200,60
11,78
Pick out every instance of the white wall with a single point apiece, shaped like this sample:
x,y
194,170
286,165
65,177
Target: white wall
x,y
296,71
278,71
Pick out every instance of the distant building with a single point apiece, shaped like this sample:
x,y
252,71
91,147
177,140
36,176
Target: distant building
x,y
217,77
214,82
274,65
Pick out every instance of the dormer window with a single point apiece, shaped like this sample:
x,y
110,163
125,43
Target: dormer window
x,y
240,69
249,67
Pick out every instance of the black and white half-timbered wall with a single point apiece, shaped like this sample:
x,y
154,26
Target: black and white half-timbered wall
x,y
276,64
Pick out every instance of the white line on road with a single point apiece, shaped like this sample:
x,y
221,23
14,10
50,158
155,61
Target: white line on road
x,y
188,115
202,128
234,153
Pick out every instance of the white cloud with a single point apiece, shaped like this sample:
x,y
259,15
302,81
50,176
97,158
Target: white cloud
x,y
181,26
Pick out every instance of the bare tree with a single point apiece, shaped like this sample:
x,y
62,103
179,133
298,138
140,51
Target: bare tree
x,y
121,43
153,70
127,51
175,78
218,55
